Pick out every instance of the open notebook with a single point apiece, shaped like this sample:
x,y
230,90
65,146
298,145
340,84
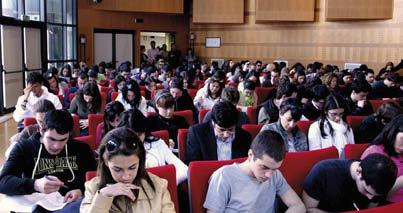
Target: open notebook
x,y
27,203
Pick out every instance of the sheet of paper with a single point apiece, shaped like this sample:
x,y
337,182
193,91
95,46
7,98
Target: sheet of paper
x,y
26,203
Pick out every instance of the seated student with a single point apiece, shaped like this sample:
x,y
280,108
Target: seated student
x,y
157,151
123,184
357,104
53,83
371,126
206,97
272,78
119,84
269,111
331,129
94,75
40,108
131,97
252,186
87,101
248,96
81,80
183,101
314,108
390,143
49,161
112,114
342,185
230,94
332,83
387,88
370,76
219,139
34,92
290,113
165,119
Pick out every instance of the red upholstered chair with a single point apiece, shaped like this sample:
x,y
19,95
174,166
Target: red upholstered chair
x,y
377,103
187,114
354,151
262,93
163,134
28,121
61,99
251,112
304,126
151,114
71,96
93,121
167,172
112,83
114,95
394,207
199,174
104,97
182,136
198,84
252,129
143,93
297,165
105,89
192,93
76,126
354,122
202,114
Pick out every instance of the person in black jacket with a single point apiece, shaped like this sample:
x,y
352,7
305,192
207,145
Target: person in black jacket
x,y
48,161
357,104
165,120
183,101
314,108
219,139
387,88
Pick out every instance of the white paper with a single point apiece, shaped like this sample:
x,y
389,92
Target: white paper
x,y
27,203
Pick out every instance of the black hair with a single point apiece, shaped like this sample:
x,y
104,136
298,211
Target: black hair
x,y
387,137
333,101
135,120
269,143
319,92
112,110
230,94
220,82
292,105
361,86
118,79
164,99
379,172
224,114
131,85
286,89
53,120
176,82
250,85
43,106
35,77
68,67
91,89
83,75
388,111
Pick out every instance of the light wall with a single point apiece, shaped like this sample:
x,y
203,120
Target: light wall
x,y
373,42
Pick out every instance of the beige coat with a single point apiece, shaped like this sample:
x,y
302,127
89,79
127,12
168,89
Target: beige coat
x,y
160,199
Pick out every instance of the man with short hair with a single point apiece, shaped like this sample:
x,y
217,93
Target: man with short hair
x,y
152,53
313,109
387,88
341,185
370,76
34,92
183,101
252,186
81,80
49,161
357,104
219,139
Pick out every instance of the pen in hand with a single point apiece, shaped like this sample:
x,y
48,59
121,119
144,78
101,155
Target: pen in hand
x,y
52,178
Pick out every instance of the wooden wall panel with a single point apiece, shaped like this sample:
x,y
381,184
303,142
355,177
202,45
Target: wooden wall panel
x,y
358,9
158,6
218,11
371,42
90,19
285,10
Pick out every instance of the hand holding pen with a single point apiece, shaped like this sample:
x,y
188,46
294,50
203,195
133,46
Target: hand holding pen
x,y
48,184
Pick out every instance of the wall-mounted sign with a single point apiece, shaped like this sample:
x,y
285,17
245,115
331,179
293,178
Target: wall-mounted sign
x,y
213,42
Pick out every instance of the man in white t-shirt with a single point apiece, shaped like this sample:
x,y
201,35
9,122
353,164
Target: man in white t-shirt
x,y
153,52
252,185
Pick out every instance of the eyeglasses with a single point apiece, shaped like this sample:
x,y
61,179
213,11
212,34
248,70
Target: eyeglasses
x,y
112,145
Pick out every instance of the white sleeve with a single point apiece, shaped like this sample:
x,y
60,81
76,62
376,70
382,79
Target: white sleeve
x,y
170,158
314,138
143,106
19,113
56,101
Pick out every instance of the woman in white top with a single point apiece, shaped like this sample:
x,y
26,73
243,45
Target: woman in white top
x,y
331,129
131,97
157,151
206,97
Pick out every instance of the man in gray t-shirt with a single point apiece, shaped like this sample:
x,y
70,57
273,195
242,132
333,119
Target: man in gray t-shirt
x,y
252,185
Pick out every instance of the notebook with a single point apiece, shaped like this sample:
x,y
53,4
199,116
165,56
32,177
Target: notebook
x,y
27,203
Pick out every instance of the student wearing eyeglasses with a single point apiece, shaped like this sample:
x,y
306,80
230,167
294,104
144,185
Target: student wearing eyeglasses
x,y
331,128
123,184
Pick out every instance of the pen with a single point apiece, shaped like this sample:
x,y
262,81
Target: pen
x,y
64,186
356,207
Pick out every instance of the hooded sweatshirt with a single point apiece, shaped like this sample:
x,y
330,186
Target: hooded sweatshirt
x,y
16,176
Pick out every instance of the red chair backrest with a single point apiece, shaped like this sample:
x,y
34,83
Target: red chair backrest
x,y
262,93
304,126
167,172
104,97
76,125
202,114
252,129
93,121
114,95
163,134
71,96
297,165
394,207
89,139
355,122
112,83
187,114
251,112
354,151
199,175
151,114
192,93
105,89
143,93
61,99
29,121
377,103
198,84
182,136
